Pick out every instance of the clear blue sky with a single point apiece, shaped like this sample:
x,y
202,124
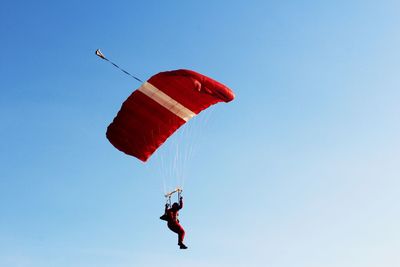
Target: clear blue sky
x,y
301,169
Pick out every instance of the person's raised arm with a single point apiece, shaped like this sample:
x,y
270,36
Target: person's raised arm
x,y
180,202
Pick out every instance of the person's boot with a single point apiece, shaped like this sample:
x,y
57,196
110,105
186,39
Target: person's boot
x,y
182,246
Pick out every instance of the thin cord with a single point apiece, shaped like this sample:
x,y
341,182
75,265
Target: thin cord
x,y
101,55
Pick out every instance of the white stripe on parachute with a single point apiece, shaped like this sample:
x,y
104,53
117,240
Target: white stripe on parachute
x,y
166,101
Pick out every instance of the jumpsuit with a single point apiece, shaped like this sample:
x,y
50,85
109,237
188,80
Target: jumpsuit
x,y
173,222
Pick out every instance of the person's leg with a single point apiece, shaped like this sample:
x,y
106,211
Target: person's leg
x,y
181,234
177,228
173,227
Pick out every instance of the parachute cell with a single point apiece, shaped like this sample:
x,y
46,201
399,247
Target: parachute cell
x,y
159,107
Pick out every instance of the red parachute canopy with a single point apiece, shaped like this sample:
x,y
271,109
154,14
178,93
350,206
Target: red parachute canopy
x,y
159,107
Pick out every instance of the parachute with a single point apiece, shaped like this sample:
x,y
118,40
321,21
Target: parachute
x,y
160,106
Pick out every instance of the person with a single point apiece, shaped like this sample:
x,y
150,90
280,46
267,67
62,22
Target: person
x,y
171,216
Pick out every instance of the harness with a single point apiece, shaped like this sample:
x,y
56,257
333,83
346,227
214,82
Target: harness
x,y
168,203
169,195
